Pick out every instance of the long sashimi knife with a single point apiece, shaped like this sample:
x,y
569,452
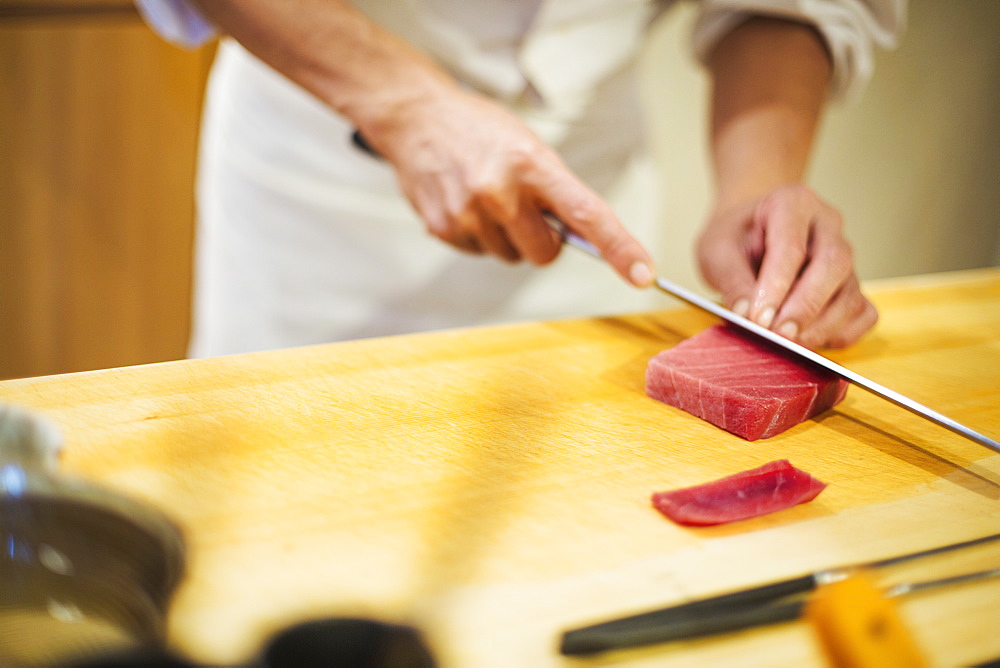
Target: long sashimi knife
x,y
698,301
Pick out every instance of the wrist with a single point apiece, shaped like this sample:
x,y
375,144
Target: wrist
x,y
745,196
384,113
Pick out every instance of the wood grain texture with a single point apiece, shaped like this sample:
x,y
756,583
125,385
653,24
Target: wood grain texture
x,y
62,10
493,484
97,155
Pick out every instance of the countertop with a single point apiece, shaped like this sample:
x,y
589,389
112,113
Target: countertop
x,y
491,485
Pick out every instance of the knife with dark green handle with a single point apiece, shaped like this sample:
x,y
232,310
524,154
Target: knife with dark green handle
x,y
730,612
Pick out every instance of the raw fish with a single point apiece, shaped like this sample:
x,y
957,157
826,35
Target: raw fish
x,y
743,385
766,489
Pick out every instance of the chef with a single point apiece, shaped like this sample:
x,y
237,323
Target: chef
x,y
385,166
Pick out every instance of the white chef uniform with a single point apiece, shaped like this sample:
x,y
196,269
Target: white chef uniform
x,y
303,238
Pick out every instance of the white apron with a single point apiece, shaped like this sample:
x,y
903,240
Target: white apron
x,y
303,238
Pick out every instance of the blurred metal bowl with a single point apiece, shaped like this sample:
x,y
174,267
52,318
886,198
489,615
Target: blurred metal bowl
x,y
83,571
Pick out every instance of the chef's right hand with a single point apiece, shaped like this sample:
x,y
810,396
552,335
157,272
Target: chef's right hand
x,y
481,181
475,173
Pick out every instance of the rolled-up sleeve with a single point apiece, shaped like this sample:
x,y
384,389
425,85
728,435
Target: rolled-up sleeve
x,y
852,29
176,21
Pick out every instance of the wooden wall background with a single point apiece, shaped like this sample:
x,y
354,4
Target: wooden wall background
x,y
98,136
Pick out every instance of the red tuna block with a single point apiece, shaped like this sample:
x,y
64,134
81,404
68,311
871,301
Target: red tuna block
x,y
769,488
744,385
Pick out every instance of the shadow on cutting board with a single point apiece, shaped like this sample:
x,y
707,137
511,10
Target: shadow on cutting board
x,y
971,476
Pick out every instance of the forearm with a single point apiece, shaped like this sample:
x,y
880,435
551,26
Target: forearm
x,y
769,81
336,53
774,250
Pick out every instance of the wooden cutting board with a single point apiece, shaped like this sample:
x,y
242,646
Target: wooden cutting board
x,y
492,485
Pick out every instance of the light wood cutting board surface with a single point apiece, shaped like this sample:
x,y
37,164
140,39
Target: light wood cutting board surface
x,y
492,485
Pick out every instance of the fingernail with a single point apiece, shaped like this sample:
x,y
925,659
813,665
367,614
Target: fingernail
x,y
640,274
766,317
789,329
741,307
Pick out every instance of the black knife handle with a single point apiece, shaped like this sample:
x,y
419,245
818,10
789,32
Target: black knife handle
x,y
728,612
695,625
361,143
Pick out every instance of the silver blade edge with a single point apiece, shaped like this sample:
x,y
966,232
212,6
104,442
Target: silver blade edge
x,y
914,587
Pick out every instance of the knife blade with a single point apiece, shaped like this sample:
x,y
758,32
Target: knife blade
x,y
905,588
748,325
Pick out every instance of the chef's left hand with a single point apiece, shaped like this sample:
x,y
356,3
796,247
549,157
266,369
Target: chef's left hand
x,y
782,261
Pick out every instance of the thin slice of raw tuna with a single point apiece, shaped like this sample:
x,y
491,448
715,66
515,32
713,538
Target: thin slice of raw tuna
x,y
771,487
744,385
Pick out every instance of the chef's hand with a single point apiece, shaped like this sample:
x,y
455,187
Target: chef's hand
x,y
783,262
481,180
475,173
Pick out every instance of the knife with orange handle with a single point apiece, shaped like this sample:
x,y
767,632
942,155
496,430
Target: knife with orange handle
x,y
859,626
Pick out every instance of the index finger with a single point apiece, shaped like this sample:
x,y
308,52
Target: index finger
x,y
589,216
786,245
829,267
